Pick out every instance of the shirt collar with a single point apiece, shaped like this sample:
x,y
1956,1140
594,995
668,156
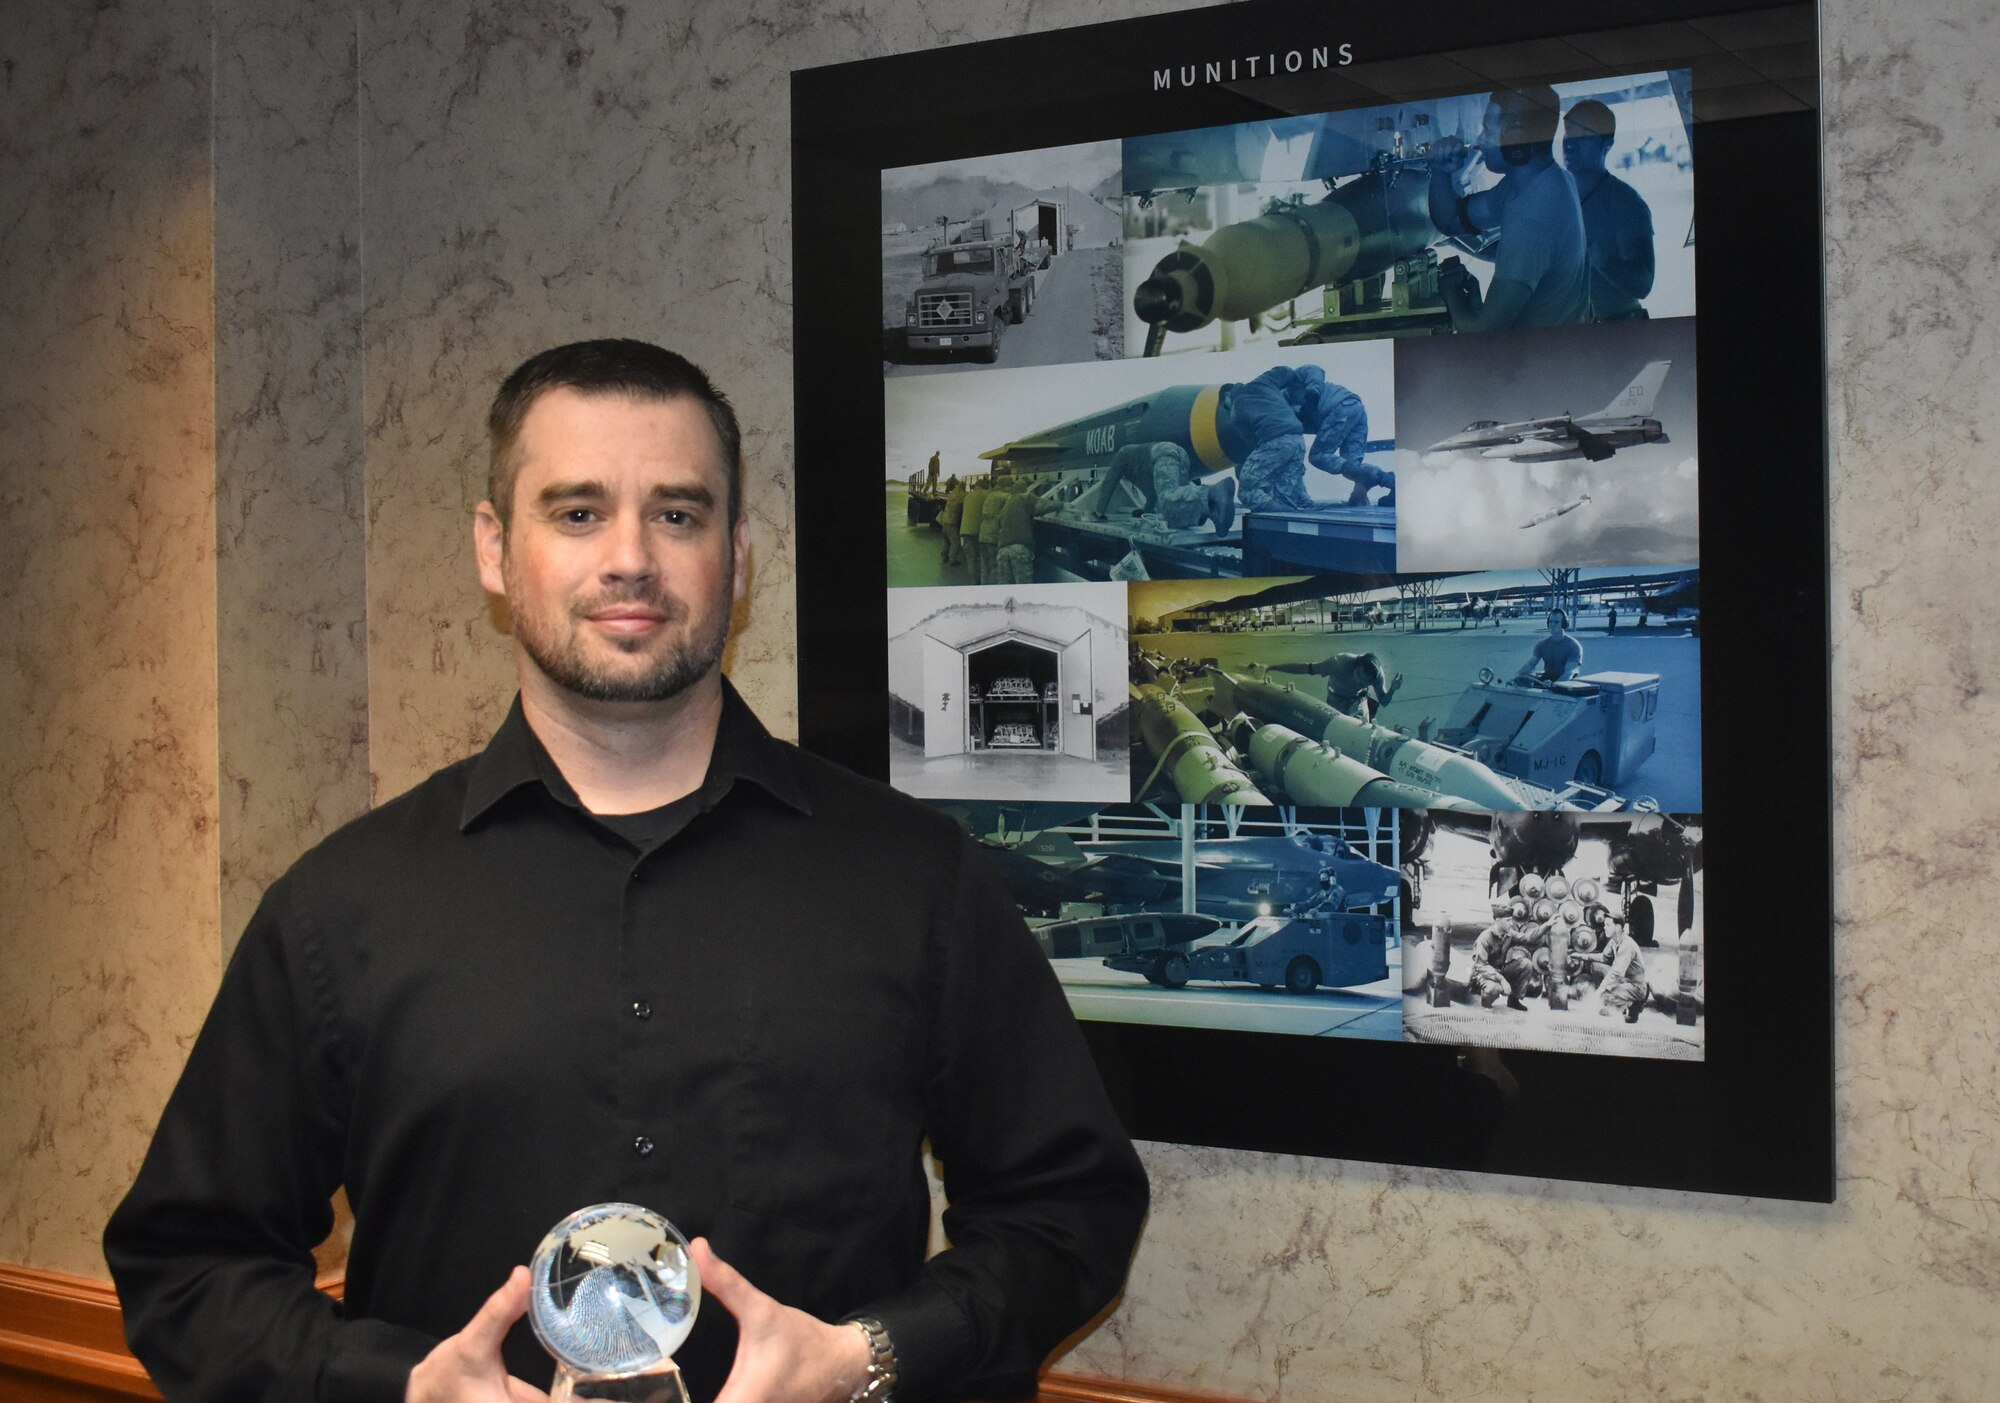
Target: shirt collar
x,y
743,750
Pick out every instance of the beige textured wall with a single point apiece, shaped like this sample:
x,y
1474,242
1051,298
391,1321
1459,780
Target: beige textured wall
x,y
529,172
108,843
291,662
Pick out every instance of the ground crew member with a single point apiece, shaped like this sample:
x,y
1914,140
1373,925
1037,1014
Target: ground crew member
x,y
1331,896
1014,556
1355,682
989,536
1503,957
948,520
1541,266
1185,500
1338,421
1558,656
976,500
1129,464
1272,476
1625,988
1617,223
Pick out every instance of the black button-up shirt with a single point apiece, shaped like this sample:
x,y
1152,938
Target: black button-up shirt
x,y
480,1008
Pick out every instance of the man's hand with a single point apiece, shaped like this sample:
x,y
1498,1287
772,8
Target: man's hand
x,y
1449,154
782,1355
466,1368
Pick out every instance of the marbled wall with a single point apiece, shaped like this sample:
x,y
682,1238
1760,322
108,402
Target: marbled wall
x,y
291,624
107,630
532,171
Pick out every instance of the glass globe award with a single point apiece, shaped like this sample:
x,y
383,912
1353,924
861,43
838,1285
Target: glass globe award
x,y
612,1293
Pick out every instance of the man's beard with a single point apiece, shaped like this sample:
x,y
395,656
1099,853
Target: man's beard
x,y
562,658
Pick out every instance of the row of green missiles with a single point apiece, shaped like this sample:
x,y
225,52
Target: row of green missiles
x,y
1321,777
1304,748
1445,775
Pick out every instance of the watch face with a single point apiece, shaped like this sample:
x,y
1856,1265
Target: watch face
x,y
613,1290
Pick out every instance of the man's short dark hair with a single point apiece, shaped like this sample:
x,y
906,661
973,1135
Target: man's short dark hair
x,y
636,369
1590,118
1528,120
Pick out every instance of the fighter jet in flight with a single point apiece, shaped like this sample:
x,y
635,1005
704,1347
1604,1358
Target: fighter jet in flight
x,y
1623,423
1555,512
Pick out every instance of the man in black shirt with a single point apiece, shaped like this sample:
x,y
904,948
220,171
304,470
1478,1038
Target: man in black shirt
x,y
635,950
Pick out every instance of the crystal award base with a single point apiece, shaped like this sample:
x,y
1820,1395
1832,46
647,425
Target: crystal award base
x,y
660,1385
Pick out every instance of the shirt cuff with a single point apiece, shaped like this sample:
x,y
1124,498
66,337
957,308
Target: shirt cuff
x,y
371,1362
932,1337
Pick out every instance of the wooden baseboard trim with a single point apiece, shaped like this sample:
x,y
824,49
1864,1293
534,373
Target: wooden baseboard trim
x,y
1059,1387
62,1340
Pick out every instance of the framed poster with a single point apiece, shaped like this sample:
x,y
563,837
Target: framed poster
x,y
1301,494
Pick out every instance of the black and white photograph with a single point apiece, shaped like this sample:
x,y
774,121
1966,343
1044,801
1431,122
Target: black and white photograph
x,y
1009,692
1572,447
1006,260
1500,210
1561,932
1135,469
1502,690
1210,917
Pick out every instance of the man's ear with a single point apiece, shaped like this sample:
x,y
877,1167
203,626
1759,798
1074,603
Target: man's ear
x,y
489,544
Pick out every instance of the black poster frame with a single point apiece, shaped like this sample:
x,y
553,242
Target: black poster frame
x,y
1755,1117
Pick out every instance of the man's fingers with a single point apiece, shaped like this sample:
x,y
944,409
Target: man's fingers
x,y
719,1278
490,1324
722,1281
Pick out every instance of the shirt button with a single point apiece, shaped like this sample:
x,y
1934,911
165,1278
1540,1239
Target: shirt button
x,y
641,1010
638,874
642,1146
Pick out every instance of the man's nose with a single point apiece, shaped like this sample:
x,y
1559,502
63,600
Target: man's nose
x,y
629,550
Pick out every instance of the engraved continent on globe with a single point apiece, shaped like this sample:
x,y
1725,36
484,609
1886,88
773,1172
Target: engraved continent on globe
x,y
613,1290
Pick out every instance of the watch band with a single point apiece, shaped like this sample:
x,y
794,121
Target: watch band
x,y
881,1381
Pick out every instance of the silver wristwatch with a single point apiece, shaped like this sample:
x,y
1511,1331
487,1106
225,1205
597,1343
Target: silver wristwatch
x,y
881,1380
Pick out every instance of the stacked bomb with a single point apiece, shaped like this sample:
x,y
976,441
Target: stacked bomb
x,y
1449,778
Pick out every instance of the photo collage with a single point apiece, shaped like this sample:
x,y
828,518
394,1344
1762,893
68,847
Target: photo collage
x,y
1293,562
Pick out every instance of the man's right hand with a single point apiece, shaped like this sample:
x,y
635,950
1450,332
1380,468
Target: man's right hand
x,y
466,1368
1448,154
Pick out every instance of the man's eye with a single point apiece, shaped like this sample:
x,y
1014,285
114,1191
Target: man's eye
x,y
674,516
577,516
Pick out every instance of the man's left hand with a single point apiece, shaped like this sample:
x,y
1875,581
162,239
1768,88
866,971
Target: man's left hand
x,y
782,1355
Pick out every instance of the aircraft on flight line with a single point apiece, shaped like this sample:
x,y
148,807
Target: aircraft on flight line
x,y
1236,879
1626,422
